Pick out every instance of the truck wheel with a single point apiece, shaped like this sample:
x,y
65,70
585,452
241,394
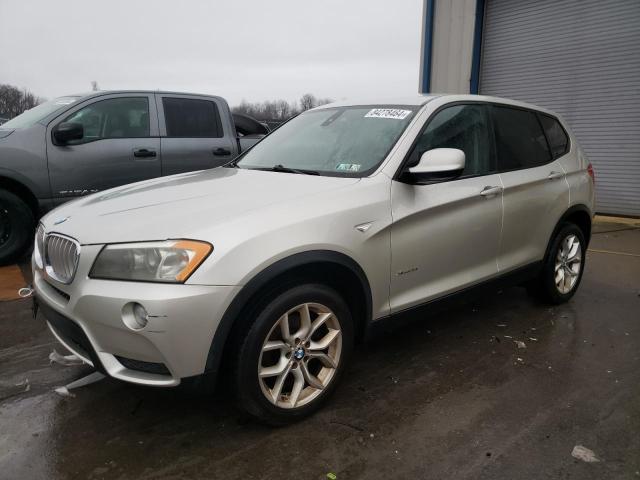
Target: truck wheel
x,y
293,355
563,267
16,227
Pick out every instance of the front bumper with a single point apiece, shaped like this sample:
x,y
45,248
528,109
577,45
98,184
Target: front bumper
x,y
86,317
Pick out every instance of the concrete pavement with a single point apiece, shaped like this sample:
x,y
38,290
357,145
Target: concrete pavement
x,y
447,397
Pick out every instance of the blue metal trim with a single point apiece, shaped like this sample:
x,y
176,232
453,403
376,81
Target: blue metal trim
x,y
474,81
427,46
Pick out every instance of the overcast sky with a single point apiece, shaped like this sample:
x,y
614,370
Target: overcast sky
x,y
251,49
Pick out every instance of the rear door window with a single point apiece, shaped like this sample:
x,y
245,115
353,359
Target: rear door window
x,y
191,118
557,137
520,141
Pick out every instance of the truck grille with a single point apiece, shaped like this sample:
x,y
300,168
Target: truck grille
x,y
61,257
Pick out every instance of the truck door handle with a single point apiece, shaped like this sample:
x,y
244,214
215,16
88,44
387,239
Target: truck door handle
x,y
555,175
490,191
144,153
221,152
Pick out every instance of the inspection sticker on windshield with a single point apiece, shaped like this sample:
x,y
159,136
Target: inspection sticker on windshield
x,y
394,113
348,167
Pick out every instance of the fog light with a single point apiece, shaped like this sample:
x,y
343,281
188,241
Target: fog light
x,y
135,316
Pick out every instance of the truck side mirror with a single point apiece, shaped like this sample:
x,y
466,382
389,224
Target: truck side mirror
x,y
67,131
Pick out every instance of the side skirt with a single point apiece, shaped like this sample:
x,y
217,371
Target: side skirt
x,y
396,320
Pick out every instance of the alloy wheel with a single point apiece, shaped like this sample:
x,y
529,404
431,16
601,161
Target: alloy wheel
x,y
568,264
300,355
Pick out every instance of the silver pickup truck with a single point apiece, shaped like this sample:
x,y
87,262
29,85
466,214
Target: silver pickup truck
x,y
79,144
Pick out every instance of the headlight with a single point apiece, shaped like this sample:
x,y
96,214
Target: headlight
x,y
172,261
38,246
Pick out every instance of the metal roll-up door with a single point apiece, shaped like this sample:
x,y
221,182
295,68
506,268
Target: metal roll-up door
x,y
581,59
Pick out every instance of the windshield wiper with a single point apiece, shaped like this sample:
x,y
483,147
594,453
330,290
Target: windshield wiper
x,y
282,168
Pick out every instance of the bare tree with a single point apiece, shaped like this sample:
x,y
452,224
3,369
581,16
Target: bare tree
x,y
284,109
307,101
13,101
94,85
278,111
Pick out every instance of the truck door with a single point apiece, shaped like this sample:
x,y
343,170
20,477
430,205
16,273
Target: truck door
x,y
120,145
193,135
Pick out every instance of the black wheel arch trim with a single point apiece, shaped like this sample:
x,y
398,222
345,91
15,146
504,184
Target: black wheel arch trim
x,y
577,208
570,211
263,278
22,187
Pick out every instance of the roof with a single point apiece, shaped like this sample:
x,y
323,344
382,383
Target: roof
x,y
420,100
161,92
414,100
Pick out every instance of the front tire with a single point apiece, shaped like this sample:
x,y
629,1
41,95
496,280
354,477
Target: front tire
x,y
16,227
294,354
562,269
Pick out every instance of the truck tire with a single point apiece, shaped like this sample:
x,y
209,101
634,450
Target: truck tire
x,y
16,227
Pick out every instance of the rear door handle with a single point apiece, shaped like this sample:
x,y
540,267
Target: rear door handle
x,y
490,191
144,153
555,175
221,152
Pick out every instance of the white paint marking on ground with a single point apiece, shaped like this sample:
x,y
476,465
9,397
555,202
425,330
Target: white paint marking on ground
x,y
66,360
584,454
626,254
82,382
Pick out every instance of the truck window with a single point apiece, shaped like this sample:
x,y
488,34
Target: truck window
x,y
191,118
113,118
30,117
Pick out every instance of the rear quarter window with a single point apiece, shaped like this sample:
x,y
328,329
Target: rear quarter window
x,y
556,135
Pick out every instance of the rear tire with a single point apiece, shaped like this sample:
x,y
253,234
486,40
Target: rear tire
x,y
563,268
294,354
16,227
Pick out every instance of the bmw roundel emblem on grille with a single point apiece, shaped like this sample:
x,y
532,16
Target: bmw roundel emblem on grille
x,y
61,220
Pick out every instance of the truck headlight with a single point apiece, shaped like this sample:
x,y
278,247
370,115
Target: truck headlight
x,y
171,261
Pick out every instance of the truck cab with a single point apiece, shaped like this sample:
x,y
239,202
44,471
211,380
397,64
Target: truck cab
x,y
80,144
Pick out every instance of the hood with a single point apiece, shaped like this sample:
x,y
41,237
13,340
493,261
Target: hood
x,y
182,205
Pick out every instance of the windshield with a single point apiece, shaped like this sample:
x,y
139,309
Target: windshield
x,y
30,117
339,141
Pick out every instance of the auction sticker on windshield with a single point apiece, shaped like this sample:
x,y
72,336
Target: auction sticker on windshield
x,y
348,167
394,113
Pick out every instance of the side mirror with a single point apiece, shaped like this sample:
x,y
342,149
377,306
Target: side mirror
x,y
67,131
437,164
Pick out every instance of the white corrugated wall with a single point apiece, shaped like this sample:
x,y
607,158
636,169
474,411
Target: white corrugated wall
x,y
580,58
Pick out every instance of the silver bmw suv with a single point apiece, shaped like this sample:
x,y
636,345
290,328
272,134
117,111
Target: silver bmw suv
x,y
329,229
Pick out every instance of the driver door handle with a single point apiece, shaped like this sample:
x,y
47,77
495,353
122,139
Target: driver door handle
x,y
220,152
555,175
490,191
144,153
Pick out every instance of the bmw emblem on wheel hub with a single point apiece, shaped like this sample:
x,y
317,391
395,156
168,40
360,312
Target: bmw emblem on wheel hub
x,y
298,353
